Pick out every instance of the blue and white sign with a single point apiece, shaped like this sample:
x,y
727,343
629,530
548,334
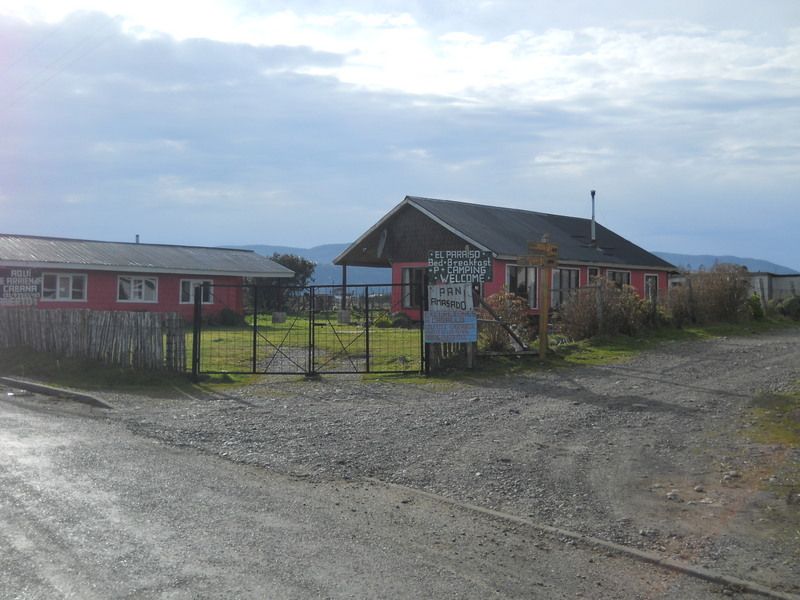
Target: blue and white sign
x,y
451,326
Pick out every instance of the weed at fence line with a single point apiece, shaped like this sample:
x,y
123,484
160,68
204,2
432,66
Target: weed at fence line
x,y
788,307
605,309
84,374
513,312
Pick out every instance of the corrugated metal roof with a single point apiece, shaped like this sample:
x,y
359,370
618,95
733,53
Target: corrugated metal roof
x,y
507,231
44,252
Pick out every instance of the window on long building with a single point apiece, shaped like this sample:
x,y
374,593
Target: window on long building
x,y
137,289
188,287
70,287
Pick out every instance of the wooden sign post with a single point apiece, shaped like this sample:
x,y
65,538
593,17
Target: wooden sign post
x,y
545,256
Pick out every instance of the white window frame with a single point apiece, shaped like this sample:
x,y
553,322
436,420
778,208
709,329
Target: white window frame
x,y
408,287
64,288
651,291
206,284
137,289
531,283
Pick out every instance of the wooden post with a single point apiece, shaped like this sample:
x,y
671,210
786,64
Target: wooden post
x,y
544,309
600,302
544,304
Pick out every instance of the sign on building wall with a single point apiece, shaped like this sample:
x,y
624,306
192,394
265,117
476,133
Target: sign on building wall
x,y
20,287
459,266
450,326
450,297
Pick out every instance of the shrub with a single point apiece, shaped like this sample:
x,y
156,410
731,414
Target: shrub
x,y
398,319
678,306
788,307
230,317
756,307
383,321
401,319
720,294
513,310
607,309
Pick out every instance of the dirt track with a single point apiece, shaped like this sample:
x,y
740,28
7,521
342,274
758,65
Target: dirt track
x,y
651,453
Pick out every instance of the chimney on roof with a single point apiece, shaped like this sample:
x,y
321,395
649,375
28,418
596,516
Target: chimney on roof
x,y
593,242
137,238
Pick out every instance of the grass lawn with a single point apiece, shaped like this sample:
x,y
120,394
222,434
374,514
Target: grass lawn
x,y
284,347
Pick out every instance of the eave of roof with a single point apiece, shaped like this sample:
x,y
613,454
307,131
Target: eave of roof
x,y
507,231
62,253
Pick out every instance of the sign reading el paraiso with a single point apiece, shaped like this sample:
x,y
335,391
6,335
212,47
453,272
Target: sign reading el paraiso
x,y
459,266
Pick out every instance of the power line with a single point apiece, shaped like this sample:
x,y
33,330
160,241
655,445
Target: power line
x,y
31,81
40,42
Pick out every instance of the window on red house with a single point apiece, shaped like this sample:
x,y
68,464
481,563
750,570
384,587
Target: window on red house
x,y
189,285
522,281
68,287
413,280
651,287
565,281
619,277
137,289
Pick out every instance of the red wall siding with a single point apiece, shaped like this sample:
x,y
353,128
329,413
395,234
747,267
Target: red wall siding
x,y
499,280
102,294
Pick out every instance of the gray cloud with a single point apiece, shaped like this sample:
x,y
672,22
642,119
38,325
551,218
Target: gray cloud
x,y
205,142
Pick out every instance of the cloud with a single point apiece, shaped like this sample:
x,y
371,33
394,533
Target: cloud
x,y
299,127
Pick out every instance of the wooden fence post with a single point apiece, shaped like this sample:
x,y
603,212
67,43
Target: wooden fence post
x,y
601,302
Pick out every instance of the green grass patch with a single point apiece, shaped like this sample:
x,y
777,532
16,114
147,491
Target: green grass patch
x,y
774,419
89,375
777,419
231,349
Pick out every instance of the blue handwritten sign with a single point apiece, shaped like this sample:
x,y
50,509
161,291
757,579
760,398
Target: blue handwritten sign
x,y
450,326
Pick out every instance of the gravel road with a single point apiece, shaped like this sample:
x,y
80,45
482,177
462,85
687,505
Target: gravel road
x,y
651,453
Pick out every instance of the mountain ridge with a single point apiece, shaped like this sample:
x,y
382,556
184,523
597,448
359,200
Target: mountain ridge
x,y
695,261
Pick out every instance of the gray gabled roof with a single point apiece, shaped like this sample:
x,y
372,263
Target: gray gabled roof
x,y
507,231
61,253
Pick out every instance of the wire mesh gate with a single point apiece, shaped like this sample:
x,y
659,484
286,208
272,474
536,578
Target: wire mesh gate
x,y
306,330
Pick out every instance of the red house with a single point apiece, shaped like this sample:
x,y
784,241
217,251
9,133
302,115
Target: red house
x,y
45,272
402,239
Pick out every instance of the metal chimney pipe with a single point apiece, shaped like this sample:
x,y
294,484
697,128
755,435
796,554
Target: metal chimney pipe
x,y
594,233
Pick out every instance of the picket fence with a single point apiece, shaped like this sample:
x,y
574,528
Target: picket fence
x,y
139,340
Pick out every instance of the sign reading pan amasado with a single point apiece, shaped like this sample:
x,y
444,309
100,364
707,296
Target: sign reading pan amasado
x,y
459,266
20,287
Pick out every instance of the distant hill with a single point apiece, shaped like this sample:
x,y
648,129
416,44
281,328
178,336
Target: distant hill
x,y
695,261
328,273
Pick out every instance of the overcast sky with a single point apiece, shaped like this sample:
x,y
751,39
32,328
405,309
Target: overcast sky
x,y
237,122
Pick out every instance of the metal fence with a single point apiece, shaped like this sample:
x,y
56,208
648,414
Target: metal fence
x,y
310,330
